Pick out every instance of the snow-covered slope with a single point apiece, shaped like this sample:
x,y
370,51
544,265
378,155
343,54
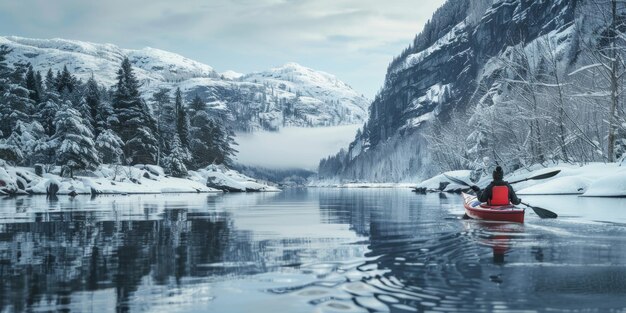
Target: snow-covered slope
x,y
291,95
448,67
314,89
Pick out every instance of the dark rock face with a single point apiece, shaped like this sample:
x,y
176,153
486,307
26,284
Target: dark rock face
x,y
429,79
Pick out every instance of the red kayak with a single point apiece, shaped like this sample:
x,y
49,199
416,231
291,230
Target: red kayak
x,y
481,211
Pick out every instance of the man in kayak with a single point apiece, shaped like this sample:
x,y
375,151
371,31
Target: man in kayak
x,y
498,192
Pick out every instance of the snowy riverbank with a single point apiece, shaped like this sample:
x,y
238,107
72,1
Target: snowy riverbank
x,y
111,179
590,180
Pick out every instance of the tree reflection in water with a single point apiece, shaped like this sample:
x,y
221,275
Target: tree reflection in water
x,y
317,249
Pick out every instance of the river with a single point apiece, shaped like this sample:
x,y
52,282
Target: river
x,y
307,250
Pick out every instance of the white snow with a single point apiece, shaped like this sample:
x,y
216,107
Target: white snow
x,y
330,97
417,121
232,75
590,180
455,34
593,179
111,179
434,183
318,98
584,68
560,185
610,186
230,179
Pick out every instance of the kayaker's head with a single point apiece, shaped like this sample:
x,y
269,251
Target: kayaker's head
x,y
498,174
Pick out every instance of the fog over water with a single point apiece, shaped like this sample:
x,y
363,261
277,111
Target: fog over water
x,y
293,147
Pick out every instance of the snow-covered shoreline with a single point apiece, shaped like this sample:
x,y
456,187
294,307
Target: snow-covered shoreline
x,y
138,179
589,180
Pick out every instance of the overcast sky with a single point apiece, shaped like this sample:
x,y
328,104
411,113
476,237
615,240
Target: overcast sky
x,y
353,39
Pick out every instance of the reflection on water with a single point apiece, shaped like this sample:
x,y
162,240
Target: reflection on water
x,y
322,250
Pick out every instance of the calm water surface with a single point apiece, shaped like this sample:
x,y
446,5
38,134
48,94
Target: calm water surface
x,y
315,250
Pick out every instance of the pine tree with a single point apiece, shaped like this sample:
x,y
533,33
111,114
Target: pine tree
x,y
225,142
75,141
48,108
30,139
65,81
197,105
175,161
142,148
4,87
109,146
10,152
182,120
161,101
134,124
15,102
203,147
33,84
211,141
92,105
50,81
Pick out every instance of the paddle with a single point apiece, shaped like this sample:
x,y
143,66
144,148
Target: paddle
x,y
538,177
541,212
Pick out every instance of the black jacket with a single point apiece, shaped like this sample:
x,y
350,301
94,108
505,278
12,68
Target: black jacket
x,y
485,195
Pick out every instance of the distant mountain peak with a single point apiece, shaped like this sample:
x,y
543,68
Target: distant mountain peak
x,y
290,95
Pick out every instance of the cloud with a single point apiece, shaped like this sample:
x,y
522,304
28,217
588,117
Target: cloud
x,y
293,147
244,35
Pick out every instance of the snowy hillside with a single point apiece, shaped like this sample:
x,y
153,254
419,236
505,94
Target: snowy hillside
x,y
314,89
291,95
464,67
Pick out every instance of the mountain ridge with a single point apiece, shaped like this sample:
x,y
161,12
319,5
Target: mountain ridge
x,y
445,69
255,101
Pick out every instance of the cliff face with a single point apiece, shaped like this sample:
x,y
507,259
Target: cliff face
x,y
441,70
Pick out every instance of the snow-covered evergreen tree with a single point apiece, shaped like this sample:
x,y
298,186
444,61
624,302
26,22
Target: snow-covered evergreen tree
x,y
203,146
29,138
50,81
75,141
15,102
109,146
4,86
182,119
34,84
211,140
160,101
175,162
47,110
134,124
65,81
99,111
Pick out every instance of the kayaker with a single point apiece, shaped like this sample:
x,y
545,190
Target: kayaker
x,y
498,192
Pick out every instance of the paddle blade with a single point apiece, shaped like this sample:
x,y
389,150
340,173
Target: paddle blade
x,y
546,175
541,212
538,177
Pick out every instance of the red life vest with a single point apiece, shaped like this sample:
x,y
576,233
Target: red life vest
x,y
499,195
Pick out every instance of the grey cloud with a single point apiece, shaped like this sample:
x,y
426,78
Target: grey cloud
x,y
325,33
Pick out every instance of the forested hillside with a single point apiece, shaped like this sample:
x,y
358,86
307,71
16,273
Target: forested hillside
x,y
287,95
54,118
509,82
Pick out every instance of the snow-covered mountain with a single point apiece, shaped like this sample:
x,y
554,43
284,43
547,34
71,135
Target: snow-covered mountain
x,y
449,67
291,95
